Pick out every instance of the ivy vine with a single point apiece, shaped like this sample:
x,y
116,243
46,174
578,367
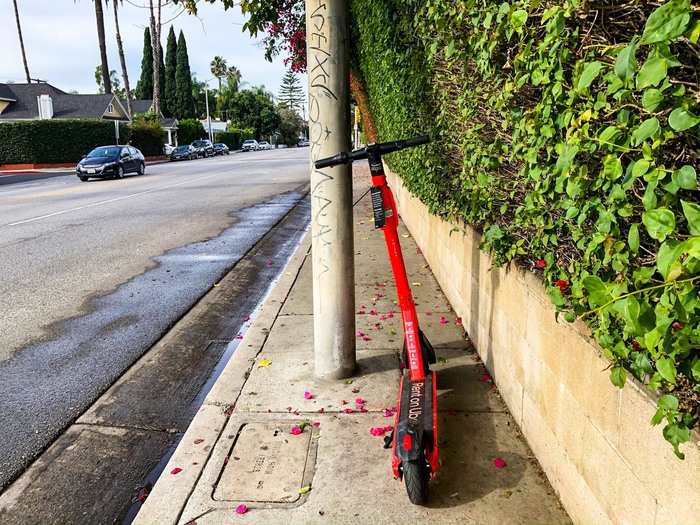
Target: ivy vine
x,y
568,134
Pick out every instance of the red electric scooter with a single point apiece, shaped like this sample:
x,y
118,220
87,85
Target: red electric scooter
x,y
414,442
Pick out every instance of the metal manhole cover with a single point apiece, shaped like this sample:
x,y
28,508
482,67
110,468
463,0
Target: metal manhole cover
x,y
266,465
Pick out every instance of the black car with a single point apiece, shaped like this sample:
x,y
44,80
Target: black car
x,y
221,149
204,148
185,152
111,162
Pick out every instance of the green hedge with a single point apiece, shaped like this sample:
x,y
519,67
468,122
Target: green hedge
x,y
52,141
146,136
233,137
57,141
568,134
189,130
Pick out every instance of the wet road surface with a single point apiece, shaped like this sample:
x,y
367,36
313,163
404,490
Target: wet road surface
x,y
93,274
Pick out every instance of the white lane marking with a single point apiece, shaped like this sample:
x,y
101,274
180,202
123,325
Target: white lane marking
x,y
115,199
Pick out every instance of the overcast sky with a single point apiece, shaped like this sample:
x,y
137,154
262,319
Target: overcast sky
x,y
60,38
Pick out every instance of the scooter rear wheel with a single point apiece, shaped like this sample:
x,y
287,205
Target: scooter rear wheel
x,y
416,476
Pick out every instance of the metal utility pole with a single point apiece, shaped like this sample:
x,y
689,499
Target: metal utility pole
x,y
331,189
206,98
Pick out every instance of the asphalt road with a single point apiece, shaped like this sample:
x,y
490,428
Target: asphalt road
x,y
95,273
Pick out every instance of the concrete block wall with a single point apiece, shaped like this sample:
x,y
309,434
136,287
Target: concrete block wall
x,y
593,440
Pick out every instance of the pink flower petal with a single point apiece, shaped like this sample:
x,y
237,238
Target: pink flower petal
x,y
388,412
499,463
241,509
486,378
296,430
308,395
176,470
316,424
348,410
388,428
458,320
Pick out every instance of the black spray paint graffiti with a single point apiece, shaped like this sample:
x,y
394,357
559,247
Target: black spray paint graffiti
x,y
319,87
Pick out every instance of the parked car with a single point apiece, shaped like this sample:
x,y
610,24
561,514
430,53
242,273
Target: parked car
x,y
204,148
249,145
168,149
111,162
303,143
221,149
264,145
185,152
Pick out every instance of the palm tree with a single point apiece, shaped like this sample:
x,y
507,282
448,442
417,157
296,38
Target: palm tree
x,y
122,59
219,68
233,78
21,43
99,17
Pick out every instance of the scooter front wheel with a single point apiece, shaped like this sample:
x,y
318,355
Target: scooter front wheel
x,y
416,476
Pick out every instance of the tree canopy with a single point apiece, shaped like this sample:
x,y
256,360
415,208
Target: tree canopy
x,y
183,81
144,87
252,108
170,99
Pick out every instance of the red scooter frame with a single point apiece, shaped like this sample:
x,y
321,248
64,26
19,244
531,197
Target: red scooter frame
x,y
414,441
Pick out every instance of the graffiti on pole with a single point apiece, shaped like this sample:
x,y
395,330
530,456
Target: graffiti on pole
x,y
318,57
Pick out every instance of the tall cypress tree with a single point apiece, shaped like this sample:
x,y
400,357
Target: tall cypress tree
x,y
144,88
183,81
170,98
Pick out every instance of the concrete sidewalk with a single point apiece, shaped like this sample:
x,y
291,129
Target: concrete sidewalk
x,y
241,449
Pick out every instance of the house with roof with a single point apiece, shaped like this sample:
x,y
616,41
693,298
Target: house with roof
x,y
43,101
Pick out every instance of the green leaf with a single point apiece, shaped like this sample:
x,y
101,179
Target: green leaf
x,y
626,62
666,260
598,294
668,402
607,136
618,376
667,369
633,238
677,434
695,370
612,167
652,99
556,296
681,119
518,19
640,167
646,129
685,178
692,215
588,75
667,22
659,222
653,71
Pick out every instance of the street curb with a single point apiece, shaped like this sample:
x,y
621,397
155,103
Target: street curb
x,y
169,496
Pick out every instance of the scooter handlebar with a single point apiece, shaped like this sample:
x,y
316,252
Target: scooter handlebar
x,y
340,158
386,147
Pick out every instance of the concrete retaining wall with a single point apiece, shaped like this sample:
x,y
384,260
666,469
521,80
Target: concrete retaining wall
x,y
593,440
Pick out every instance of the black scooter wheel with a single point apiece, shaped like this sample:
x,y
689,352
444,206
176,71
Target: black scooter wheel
x,y
416,476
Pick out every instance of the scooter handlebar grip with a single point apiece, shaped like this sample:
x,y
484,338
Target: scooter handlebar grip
x,y
340,158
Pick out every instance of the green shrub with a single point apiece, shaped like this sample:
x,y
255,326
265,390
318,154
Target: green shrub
x,y
146,134
189,130
569,138
52,141
233,137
